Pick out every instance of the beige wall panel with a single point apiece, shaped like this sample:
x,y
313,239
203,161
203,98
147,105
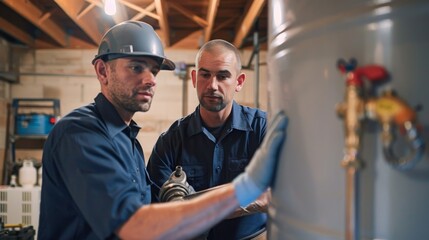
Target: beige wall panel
x,y
186,56
27,80
27,91
90,90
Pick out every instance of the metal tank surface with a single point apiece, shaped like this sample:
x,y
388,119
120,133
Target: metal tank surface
x,y
315,196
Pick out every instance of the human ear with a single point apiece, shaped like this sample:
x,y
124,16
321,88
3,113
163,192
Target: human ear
x,y
240,82
101,70
194,77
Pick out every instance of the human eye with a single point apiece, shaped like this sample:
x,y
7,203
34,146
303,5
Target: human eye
x,y
205,74
137,68
221,76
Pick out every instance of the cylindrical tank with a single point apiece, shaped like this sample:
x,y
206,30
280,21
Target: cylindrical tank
x,y
306,38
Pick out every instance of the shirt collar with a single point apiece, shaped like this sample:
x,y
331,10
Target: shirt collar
x,y
238,121
111,118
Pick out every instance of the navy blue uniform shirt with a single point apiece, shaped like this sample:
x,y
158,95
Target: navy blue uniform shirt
x,y
94,175
209,161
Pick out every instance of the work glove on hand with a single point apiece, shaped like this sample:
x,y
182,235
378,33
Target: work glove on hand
x,y
260,173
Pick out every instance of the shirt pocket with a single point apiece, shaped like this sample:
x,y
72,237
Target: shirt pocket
x,y
236,166
197,177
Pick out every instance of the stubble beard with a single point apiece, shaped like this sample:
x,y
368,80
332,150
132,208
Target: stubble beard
x,y
130,102
212,107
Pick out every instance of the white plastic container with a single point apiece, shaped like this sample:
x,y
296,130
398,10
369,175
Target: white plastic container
x,y
27,174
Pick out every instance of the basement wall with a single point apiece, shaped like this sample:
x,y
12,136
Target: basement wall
x,y
69,76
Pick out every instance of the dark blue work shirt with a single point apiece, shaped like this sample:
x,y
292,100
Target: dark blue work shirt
x,y
209,161
94,175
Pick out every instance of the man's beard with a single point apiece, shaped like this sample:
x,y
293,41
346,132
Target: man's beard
x,y
137,106
212,107
130,103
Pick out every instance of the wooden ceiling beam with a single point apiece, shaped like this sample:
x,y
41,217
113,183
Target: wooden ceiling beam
x,y
185,12
86,10
120,15
223,24
16,32
161,9
45,16
142,14
147,11
211,15
85,22
192,41
32,13
248,21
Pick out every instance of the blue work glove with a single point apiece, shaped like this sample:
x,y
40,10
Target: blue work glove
x,y
260,173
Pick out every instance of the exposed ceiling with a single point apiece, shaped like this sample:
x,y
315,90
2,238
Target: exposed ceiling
x,y
185,24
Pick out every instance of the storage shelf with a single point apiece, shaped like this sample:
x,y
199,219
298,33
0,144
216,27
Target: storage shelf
x,y
25,139
28,142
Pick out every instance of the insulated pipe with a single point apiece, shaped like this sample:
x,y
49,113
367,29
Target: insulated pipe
x,y
256,51
185,92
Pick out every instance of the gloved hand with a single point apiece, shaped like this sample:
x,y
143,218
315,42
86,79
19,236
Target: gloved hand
x,y
260,173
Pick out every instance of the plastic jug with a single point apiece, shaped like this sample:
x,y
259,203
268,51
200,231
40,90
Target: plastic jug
x,y
27,174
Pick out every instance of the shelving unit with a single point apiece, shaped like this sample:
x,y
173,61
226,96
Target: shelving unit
x,y
30,122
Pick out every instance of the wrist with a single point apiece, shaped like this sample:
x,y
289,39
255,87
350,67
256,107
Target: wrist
x,y
246,191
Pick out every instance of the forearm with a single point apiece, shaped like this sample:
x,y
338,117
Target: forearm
x,y
180,220
248,210
258,206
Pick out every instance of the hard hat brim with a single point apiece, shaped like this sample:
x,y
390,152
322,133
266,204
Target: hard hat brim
x,y
165,63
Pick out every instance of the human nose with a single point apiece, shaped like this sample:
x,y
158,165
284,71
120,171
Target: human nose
x,y
149,78
213,83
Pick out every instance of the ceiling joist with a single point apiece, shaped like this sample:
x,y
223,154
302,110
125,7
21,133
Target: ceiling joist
x,y
161,9
32,14
143,13
189,14
82,23
86,10
147,11
248,21
73,10
211,15
12,30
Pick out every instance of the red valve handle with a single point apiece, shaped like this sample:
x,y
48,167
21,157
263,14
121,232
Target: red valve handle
x,y
355,75
371,72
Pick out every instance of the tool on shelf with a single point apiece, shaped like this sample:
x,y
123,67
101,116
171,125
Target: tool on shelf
x,y
29,122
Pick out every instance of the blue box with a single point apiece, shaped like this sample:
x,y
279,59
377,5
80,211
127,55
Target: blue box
x,y
34,124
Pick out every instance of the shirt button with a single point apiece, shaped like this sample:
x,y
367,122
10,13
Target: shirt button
x,y
134,180
137,169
